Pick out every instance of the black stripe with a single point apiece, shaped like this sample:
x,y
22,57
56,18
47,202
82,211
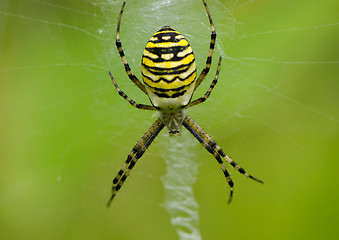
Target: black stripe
x,y
169,71
168,81
161,50
172,38
166,28
167,90
175,58
175,95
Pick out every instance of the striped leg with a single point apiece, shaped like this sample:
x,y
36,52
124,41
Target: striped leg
x,y
134,104
136,153
208,93
131,76
210,53
194,129
215,150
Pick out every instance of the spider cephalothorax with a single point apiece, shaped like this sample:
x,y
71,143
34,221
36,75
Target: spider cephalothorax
x,y
169,75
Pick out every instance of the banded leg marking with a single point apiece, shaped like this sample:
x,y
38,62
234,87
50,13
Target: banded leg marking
x,y
235,165
133,103
208,93
131,76
136,153
214,149
210,53
193,129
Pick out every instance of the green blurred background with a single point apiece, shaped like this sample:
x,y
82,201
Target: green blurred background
x,y
65,132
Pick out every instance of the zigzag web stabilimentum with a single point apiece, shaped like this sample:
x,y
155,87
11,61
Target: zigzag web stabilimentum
x,y
242,78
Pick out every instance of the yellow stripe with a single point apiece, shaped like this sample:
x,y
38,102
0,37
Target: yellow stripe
x,y
185,52
168,77
151,55
167,56
170,64
182,43
179,37
165,85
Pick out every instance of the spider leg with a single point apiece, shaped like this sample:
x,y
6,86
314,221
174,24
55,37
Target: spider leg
x,y
136,153
210,53
192,128
131,76
133,103
208,93
215,150
234,164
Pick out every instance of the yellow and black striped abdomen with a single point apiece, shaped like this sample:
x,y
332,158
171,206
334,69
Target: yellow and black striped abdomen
x,y
168,70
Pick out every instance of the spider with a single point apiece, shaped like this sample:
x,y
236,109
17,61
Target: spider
x,y
169,75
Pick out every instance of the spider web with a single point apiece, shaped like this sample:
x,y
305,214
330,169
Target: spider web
x,y
65,132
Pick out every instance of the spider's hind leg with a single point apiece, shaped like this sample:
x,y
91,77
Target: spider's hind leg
x,y
195,130
136,153
215,150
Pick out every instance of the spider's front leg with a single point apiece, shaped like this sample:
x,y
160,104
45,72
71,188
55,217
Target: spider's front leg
x,y
128,70
136,153
210,53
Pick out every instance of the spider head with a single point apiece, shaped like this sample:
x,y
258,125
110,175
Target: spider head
x,y
173,121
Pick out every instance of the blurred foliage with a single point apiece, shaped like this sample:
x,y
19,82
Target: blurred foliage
x,y
65,132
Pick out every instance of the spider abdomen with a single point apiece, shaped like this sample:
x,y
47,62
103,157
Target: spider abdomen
x,y
168,70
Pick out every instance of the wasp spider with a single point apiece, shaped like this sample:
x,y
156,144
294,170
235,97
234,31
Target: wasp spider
x,y
169,75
